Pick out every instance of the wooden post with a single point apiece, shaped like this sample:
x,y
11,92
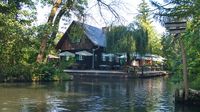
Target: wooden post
x,y
185,75
177,28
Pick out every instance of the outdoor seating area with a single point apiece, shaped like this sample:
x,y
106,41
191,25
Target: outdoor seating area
x,y
84,60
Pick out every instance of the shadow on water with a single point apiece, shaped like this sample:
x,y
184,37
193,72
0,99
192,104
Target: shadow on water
x,y
91,95
189,108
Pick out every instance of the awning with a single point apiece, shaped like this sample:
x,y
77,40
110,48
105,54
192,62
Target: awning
x,y
122,56
66,53
159,59
84,53
108,55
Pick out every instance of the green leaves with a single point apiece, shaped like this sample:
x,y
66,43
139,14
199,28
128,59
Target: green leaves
x,y
144,20
76,34
141,37
187,10
119,39
14,41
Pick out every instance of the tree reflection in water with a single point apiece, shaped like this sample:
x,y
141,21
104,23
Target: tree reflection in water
x,y
91,95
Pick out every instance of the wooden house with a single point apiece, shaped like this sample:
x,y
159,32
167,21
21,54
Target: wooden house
x,y
86,38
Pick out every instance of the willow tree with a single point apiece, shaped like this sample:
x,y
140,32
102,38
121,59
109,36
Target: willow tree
x,y
120,40
141,44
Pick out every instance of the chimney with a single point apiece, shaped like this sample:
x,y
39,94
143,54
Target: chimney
x,y
105,29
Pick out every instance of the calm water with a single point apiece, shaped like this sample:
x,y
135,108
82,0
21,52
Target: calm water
x,y
139,95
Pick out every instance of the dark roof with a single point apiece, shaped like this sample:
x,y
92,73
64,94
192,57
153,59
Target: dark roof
x,y
96,35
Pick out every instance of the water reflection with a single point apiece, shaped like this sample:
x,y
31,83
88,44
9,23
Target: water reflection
x,y
139,95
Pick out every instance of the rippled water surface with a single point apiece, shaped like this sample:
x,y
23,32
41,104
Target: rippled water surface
x,y
138,95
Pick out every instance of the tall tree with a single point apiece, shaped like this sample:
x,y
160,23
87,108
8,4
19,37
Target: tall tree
x,y
141,37
66,8
120,39
15,39
141,45
144,19
123,39
181,9
44,40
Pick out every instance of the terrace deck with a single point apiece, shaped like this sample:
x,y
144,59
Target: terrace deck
x,y
113,74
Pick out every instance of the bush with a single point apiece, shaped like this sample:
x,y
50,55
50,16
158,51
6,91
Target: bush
x,y
52,71
195,82
18,72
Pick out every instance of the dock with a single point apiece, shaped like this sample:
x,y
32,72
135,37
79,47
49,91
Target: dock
x,y
113,74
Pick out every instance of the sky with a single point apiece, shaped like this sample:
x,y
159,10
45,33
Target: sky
x,y
127,9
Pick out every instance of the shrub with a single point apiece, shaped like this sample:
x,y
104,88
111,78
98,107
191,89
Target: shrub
x,y
52,71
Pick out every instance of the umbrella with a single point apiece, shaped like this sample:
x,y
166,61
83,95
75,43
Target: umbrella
x,y
123,56
84,53
52,56
66,53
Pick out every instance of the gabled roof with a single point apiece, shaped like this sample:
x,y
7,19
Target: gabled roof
x,y
94,34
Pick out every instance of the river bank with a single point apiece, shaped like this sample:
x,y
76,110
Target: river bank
x,y
113,74
193,97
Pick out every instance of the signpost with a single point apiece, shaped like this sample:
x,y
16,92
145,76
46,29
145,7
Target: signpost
x,y
177,28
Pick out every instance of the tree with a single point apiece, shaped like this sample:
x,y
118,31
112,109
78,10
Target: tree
x,y
141,44
144,20
141,37
50,23
15,39
181,9
120,39
66,9
127,39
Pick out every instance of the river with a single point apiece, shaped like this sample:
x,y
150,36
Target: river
x,y
137,95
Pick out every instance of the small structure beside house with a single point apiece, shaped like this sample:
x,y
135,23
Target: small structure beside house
x,y
86,42
51,57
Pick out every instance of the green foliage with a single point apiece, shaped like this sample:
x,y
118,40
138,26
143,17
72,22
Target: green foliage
x,y
187,10
141,37
68,7
58,37
15,41
63,64
195,83
19,43
144,20
192,42
15,73
120,39
76,33
52,71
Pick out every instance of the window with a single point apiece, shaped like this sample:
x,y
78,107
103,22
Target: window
x,y
80,57
103,58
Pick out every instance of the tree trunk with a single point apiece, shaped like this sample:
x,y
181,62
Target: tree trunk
x,y
68,6
43,44
185,75
128,58
142,67
56,22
